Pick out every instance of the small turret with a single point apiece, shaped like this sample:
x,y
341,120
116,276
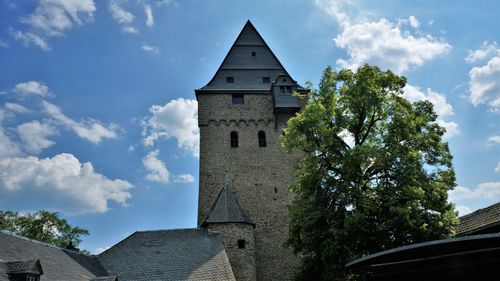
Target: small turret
x,y
236,229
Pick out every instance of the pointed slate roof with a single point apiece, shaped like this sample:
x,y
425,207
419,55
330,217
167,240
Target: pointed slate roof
x,y
248,61
226,209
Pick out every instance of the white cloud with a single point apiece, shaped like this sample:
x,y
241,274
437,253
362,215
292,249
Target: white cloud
x,y
151,49
32,88
494,140
177,119
497,169
69,186
4,44
485,84
441,107
119,14
34,135
149,15
414,22
488,190
15,107
99,250
90,130
335,8
486,51
157,172
8,148
382,43
463,210
130,29
184,178
53,18
30,38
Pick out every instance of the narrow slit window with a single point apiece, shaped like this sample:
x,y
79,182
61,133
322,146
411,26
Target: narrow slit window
x,y
254,54
241,243
238,99
230,79
234,139
266,80
262,139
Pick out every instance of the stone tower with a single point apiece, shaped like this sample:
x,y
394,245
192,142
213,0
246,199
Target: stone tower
x,y
241,113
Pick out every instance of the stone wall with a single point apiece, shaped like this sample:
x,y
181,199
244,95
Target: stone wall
x,y
259,176
242,260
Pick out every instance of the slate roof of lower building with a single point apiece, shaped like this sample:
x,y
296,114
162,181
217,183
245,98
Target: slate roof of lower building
x,y
180,254
480,220
57,264
226,209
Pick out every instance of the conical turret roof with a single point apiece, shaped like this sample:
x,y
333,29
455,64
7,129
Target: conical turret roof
x,y
226,209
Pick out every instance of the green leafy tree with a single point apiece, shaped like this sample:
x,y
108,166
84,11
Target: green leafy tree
x,y
43,226
374,173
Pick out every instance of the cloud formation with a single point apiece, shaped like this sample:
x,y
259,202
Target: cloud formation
x,y
123,17
484,84
90,130
151,49
34,136
177,119
441,107
52,18
488,190
32,88
69,186
157,171
149,15
183,178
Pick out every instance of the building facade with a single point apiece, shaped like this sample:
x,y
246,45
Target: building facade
x,y
241,113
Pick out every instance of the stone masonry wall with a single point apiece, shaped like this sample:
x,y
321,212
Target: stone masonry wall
x,y
259,176
242,260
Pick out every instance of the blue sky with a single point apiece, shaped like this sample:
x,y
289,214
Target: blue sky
x,y
97,108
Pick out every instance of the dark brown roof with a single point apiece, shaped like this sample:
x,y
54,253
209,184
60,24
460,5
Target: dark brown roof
x,y
226,209
479,220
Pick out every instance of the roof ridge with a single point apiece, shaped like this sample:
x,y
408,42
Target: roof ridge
x,y
10,233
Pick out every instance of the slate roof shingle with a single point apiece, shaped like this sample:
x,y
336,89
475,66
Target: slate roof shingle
x,y
57,264
179,254
226,208
479,220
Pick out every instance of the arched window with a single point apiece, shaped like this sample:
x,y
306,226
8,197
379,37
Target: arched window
x,y
262,139
234,139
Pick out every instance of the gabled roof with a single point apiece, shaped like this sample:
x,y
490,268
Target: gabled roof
x,y
226,209
179,254
480,221
20,253
246,69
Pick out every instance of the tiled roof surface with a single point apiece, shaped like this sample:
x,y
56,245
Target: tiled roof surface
x,y
25,266
246,69
57,264
182,254
480,219
226,208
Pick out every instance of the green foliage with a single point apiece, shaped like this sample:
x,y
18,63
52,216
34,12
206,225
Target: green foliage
x,y
43,226
386,187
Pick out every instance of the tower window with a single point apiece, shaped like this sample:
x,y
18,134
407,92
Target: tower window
x,y
230,79
266,80
241,243
254,54
262,139
234,139
282,89
238,99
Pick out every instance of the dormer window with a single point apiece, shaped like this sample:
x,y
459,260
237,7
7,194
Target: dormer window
x,y
282,89
266,80
32,278
254,54
230,79
284,80
289,89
